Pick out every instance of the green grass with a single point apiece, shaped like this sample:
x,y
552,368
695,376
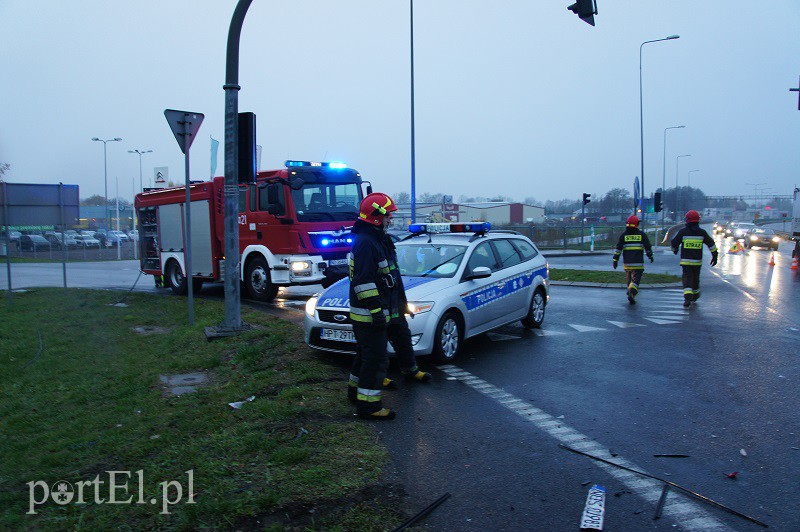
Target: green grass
x,y
91,402
598,276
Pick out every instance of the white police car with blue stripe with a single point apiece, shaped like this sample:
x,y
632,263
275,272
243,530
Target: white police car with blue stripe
x,y
460,279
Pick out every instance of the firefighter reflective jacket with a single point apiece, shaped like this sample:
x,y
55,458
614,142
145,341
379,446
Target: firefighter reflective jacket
x,y
375,282
633,244
690,240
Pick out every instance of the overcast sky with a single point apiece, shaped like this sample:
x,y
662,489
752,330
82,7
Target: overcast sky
x,y
513,97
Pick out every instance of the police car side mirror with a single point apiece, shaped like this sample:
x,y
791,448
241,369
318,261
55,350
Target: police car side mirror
x,y
479,272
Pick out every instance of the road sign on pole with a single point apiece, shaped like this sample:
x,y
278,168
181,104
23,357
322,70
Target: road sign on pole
x,y
184,125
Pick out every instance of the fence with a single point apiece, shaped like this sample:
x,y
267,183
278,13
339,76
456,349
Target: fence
x,y
56,253
569,236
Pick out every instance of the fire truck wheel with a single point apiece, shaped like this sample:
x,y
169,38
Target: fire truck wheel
x,y
176,279
257,280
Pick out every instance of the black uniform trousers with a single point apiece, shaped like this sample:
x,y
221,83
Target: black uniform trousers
x,y
372,359
691,282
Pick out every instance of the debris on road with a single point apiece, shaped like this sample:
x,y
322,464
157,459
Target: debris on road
x,y
595,508
431,507
671,455
732,475
238,404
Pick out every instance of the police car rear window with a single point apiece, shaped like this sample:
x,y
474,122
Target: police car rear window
x,y
508,254
525,249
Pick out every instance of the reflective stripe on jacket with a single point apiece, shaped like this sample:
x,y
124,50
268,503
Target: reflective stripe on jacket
x,y
632,245
375,282
690,240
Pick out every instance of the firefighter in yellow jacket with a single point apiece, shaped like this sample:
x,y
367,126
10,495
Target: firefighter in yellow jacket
x,y
632,245
689,241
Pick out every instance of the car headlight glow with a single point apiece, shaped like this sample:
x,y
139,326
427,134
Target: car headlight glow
x,y
418,307
311,306
776,239
300,266
753,238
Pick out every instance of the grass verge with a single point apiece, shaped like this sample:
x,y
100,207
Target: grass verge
x,y
599,276
90,400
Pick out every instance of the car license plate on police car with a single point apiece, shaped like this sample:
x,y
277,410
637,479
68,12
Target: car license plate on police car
x,y
337,262
337,335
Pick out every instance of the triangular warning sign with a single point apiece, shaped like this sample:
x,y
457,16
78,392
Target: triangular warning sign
x,y
184,125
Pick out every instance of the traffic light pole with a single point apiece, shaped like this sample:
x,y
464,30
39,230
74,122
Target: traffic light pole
x,y
583,217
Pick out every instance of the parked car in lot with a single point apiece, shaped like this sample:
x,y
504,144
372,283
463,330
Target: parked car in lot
x,y
113,239
34,243
119,235
13,236
58,240
87,241
460,279
762,237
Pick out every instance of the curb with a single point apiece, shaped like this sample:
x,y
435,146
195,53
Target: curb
x,y
613,285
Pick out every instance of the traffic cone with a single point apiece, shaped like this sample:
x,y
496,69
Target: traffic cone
x,y
772,259
794,263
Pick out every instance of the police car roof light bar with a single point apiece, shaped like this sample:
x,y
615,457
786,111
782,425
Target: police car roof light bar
x,y
334,165
474,227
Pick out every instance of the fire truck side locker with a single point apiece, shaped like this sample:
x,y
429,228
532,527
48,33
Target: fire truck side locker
x,y
171,238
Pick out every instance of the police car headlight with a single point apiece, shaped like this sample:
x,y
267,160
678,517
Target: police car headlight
x,y
300,266
418,307
311,306
776,239
753,238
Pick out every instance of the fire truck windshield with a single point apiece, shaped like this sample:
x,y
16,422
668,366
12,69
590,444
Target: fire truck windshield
x,y
320,201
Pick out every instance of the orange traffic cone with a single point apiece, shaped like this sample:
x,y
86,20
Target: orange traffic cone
x,y
794,263
772,259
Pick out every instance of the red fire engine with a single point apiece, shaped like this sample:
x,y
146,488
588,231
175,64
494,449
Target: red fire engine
x,y
294,228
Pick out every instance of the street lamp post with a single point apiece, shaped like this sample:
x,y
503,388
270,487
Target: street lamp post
x,y
677,160
641,113
413,155
140,152
105,175
664,169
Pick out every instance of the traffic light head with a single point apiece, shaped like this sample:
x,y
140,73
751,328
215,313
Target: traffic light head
x,y
657,205
586,198
585,9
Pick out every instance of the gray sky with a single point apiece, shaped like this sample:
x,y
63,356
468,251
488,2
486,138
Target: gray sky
x,y
516,97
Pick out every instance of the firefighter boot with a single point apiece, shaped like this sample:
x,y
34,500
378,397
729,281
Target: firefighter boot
x,y
696,296
352,389
687,300
414,374
374,411
389,384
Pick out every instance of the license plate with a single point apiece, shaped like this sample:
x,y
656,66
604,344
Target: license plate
x,y
595,509
337,262
337,335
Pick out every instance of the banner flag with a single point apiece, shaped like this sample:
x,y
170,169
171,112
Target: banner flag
x,y
214,148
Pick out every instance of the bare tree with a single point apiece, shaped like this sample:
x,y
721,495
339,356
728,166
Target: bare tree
x,y
4,167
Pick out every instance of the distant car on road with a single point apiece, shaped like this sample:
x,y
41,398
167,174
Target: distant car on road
x,y
762,237
33,243
720,228
742,229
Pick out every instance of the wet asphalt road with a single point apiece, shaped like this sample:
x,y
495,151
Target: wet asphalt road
x,y
654,378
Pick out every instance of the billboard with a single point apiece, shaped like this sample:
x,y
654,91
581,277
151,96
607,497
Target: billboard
x,y
33,204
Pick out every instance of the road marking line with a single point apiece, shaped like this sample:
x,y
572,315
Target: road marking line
x,y
659,321
687,514
623,325
585,328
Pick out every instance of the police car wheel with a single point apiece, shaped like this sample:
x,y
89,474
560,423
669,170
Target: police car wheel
x,y
258,282
535,315
176,279
448,337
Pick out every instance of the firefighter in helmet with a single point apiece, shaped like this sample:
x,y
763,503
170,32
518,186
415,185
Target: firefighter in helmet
x,y
690,240
377,310
632,245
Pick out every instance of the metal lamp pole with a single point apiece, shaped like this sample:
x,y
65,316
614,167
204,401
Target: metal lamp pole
x,y
413,161
641,114
677,160
664,173
140,152
105,174
689,178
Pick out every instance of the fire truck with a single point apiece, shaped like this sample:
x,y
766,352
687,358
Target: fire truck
x,y
294,228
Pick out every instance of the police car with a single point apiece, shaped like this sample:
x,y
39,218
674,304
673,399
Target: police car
x,y
460,279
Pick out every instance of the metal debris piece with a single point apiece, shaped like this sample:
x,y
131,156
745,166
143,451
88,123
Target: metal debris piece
x,y
672,484
671,455
431,507
661,501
